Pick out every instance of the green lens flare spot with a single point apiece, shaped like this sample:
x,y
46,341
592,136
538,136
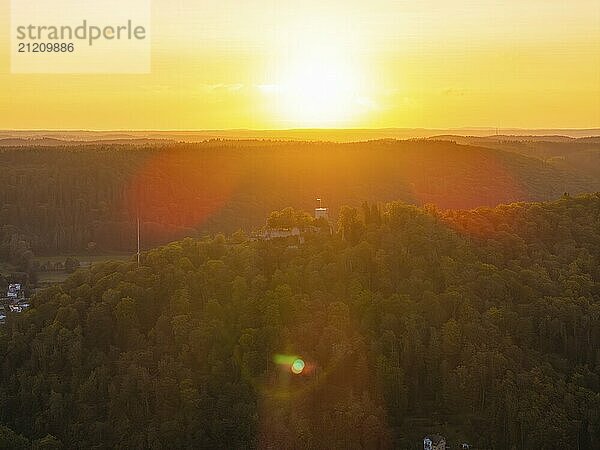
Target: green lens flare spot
x,y
298,366
286,360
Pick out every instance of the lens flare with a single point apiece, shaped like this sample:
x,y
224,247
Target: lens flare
x,y
178,190
297,366
295,363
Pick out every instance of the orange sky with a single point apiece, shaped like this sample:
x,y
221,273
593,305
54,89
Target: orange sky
x,y
340,63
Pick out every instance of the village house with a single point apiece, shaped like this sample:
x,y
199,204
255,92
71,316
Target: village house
x,y
434,442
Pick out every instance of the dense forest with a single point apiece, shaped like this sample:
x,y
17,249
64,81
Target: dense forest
x,y
86,198
482,325
577,155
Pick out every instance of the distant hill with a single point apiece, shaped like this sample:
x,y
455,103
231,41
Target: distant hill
x,y
578,155
313,135
23,142
503,138
55,142
66,197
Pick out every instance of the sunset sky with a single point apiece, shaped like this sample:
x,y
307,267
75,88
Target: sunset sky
x,y
271,64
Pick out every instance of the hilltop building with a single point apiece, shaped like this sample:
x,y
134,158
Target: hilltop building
x,y
434,442
320,212
270,233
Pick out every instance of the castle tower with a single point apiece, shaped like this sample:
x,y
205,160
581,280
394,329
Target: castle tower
x,y
321,212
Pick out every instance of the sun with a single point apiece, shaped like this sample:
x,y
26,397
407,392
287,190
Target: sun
x,y
319,91
318,86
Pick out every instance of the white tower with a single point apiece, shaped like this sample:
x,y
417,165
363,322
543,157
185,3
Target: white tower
x,y
321,212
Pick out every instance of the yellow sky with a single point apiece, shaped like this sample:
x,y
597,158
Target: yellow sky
x,y
334,63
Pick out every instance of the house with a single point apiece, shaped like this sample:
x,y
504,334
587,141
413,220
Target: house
x,y
14,290
269,233
322,213
296,232
434,442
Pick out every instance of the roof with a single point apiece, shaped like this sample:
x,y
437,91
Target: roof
x,y
435,438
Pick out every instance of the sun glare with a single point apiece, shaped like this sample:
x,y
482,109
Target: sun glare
x,y
319,91
318,85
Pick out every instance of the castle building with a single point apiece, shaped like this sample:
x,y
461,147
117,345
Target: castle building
x,y
320,212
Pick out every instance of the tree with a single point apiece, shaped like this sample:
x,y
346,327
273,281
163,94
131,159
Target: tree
x,y
71,264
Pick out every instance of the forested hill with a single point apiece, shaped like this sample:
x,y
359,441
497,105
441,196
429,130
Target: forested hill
x,y
577,155
481,325
68,199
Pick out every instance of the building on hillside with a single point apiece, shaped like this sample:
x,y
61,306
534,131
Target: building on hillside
x,y
276,233
434,442
320,212
14,291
